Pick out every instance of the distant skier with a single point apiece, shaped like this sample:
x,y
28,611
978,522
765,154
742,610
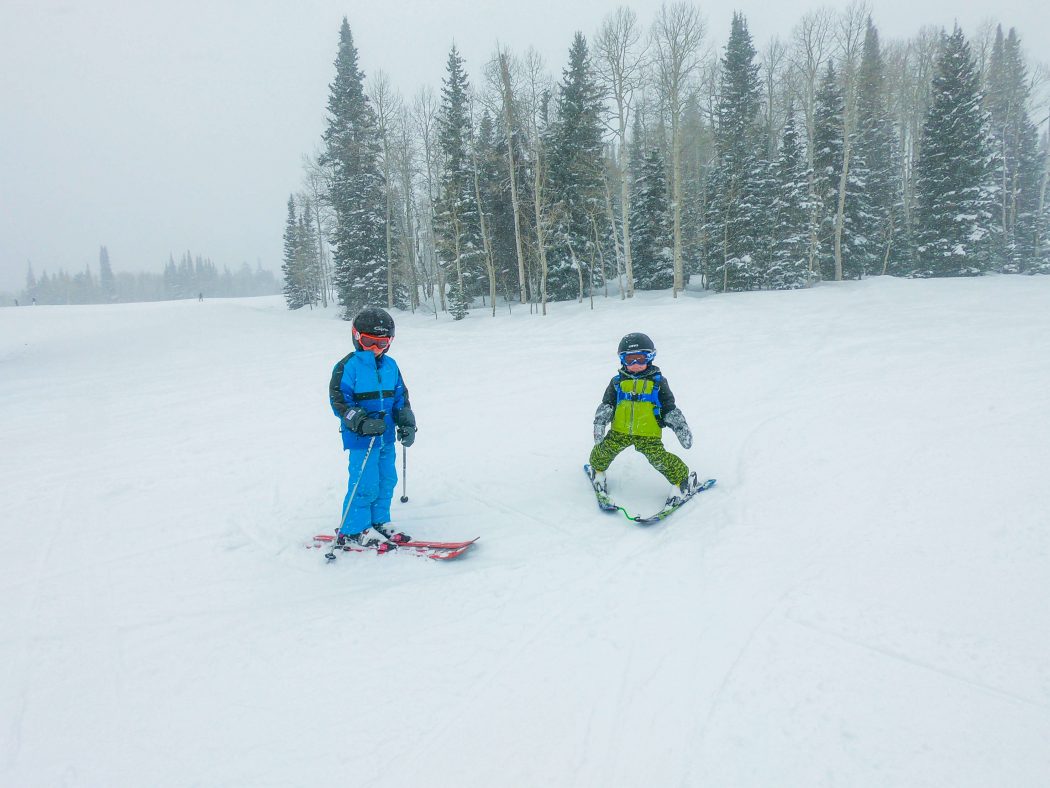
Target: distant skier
x,y
639,404
369,396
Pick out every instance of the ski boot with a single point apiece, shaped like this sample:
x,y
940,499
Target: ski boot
x,y
680,493
394,536
598,481
370,537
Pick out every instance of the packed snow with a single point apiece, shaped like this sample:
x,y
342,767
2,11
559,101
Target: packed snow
x,y
862,600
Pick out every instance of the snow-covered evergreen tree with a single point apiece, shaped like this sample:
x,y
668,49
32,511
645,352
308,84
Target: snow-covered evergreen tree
x,y
876,216
310,253
736,217
106,281
651,224
789,251
456,219
293,265
827,166
955,191
575,170
352,149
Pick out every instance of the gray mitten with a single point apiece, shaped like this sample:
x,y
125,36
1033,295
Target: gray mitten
x,y
602,418
675,419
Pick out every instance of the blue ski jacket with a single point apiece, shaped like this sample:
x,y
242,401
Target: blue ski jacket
x,y
360,380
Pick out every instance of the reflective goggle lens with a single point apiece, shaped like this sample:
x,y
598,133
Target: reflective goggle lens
x,y
369,341
634,359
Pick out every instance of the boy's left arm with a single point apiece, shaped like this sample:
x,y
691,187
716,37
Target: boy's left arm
x,y
673,416
404,418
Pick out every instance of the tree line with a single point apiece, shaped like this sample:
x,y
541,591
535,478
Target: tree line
x,y
191,277
827,155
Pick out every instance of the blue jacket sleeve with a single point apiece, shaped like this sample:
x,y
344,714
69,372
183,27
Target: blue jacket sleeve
x,y
336,396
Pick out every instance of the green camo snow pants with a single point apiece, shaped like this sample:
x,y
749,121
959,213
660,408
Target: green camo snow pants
x,y
652,448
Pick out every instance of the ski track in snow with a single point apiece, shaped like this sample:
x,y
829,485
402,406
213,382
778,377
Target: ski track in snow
x,y
861,600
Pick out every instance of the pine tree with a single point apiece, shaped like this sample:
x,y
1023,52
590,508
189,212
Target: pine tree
x,y
827,165
352,150
107,282
789,252
309,254
32,285
575,168
456,219
955,192
495,197
651,224
697,151
736,214
296,293
876,218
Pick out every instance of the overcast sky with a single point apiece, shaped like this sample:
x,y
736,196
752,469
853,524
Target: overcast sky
x,y
155,127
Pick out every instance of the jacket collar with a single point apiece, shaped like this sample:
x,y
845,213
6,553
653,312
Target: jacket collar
x,y
650,371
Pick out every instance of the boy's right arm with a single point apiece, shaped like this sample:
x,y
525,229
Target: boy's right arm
x,y
348,412
603,416
335,390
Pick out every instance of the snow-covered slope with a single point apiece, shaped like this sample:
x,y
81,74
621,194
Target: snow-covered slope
x,y
863,600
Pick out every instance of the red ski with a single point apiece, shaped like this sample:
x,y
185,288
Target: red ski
x,y
439,551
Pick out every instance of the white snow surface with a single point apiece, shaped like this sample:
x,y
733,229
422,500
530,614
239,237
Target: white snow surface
x,y
862,600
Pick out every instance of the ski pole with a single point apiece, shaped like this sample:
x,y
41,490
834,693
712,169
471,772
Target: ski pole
x,y
404,475
349,501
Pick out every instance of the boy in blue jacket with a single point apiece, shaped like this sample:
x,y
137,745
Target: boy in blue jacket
x,y
369,396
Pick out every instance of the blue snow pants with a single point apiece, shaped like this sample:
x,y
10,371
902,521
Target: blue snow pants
x,y
378,479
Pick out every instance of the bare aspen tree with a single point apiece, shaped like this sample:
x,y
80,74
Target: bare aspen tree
x,y
810,50
405,158
490,263
850,37
387,107
619,68
425,111
1040,92
918,63
981,44
503,60
611,218
677,35
317,182
773,58
537,87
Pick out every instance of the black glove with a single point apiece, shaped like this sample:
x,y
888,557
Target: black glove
x,y
357,420
405,420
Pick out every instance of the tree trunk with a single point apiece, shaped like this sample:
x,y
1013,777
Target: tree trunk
x,y
616,243
840,212
676,176
625,209
508,99
490,264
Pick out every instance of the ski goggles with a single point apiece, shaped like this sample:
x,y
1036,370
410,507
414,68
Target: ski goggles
x,y
637,358
372,342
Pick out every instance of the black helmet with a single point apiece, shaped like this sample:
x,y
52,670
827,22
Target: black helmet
x,y
636,343
374,322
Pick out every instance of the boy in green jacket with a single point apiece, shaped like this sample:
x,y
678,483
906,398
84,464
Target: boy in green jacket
x,y
638,404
